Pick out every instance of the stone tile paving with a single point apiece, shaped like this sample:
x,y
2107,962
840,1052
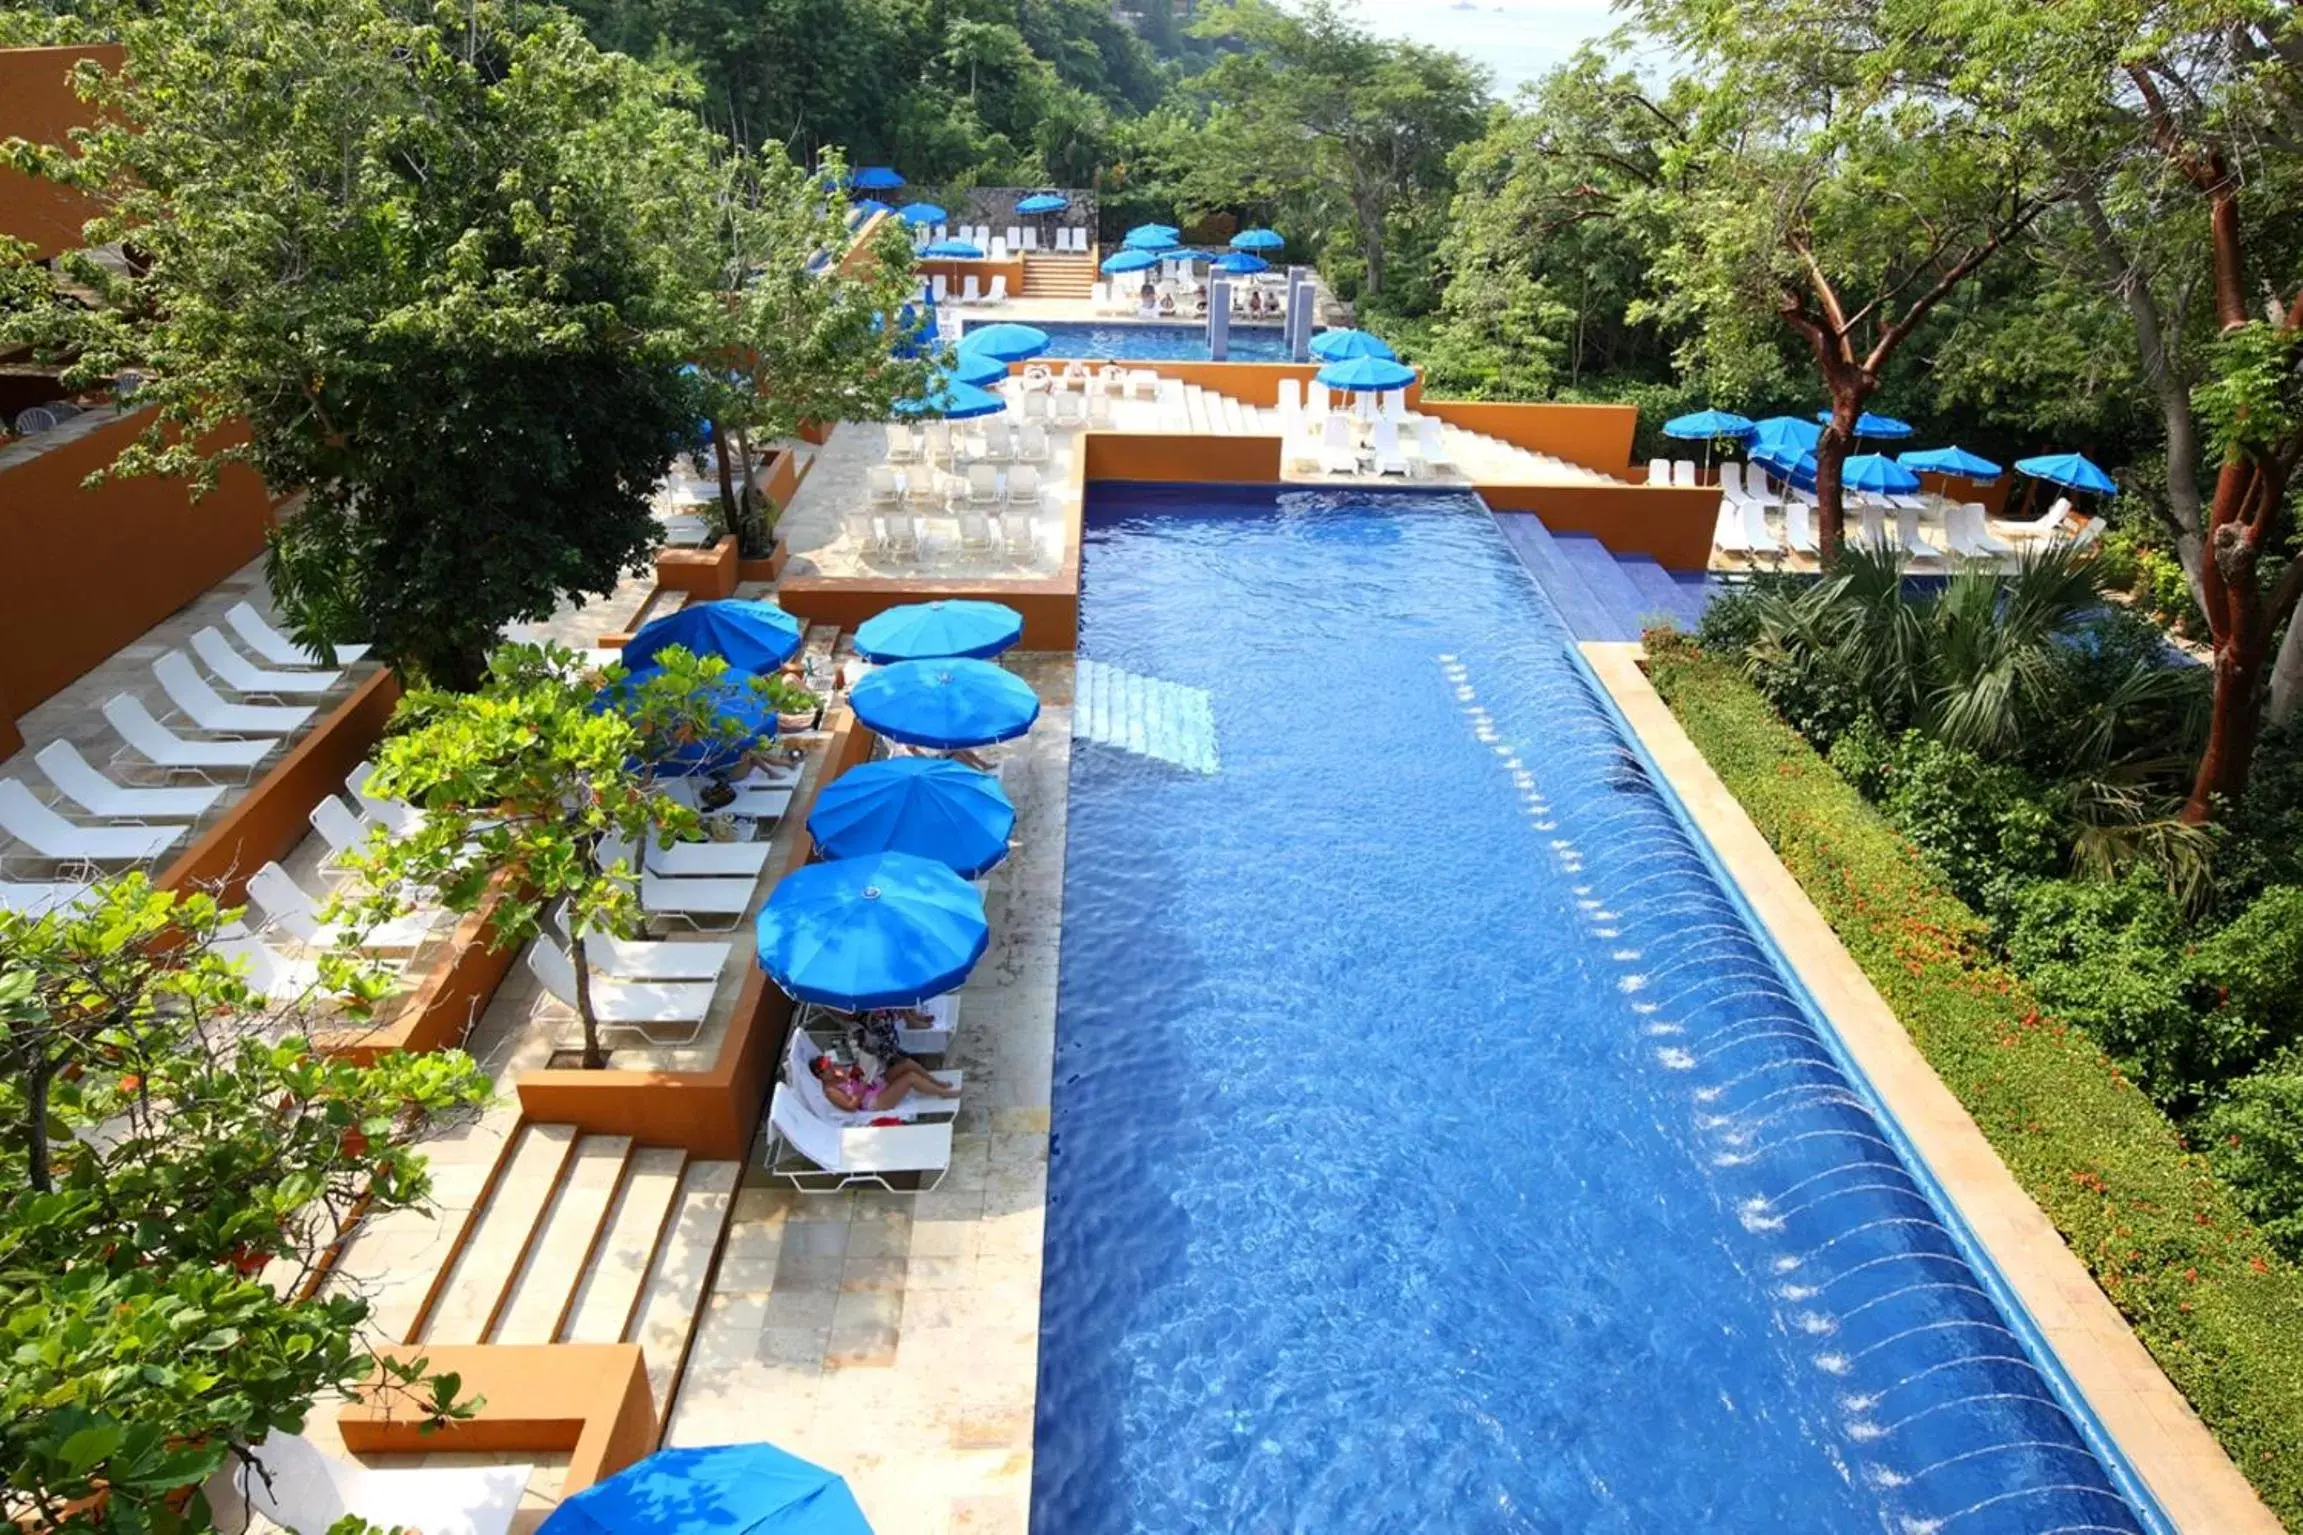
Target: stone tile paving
x,y
895,1337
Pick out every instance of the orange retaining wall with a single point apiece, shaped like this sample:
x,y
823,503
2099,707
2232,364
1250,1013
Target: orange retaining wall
x,y
588,1400
1595,436
441,1009
1670,524
704,574
274,815
38,105
88,571
710,1113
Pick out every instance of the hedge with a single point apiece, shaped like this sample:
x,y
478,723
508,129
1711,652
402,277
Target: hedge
x,y
2221,1312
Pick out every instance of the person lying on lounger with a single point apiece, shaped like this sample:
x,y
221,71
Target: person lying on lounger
x,y
851,1090
872,1035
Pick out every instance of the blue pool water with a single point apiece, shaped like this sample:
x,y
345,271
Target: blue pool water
x,y
1150,342
1435,1148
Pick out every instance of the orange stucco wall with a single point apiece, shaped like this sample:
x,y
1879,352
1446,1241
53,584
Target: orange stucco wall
x,y
38,104
446,999
275,814
589,1400
1170,456
87,571
704,574
1595,436
1672,525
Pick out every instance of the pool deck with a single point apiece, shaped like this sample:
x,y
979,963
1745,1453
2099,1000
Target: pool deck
x,y
895,1337
2163,1439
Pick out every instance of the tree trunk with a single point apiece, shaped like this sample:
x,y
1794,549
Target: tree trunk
x,y
1371,238
36,1155
1848,394
2240,622
730,512
595,1058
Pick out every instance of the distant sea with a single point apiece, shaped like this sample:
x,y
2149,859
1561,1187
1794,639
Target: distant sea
x,y
1517,40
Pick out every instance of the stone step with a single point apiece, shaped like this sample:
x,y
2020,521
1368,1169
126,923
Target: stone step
x,y
1659,593
610,1289
565,1241
476,1284
1618,602
674,1292
1166,721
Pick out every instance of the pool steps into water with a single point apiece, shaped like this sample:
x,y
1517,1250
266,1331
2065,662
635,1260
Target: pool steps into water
x,y
1602,595
1165,721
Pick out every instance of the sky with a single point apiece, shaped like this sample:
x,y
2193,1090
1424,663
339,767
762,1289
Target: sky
x,y
1516,39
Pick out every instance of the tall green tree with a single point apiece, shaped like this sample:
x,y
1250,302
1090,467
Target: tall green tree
x,y
410,252
177,1163
1314,119
1826,187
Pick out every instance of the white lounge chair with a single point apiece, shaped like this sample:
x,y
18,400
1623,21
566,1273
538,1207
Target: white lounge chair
x,y
340,826
286,905
941,287
1659,471
1024,488
2053,521
1337,455
43,897
1799,526
882,487
1683,473
276,648
983,485
649,1005
969,291
2089,531
650,959
1756,533
999,250
1431,443
142,734
80,781
1388,457
975,532
303,1490
818,1156
1031,240
693,860
242,675
1907,535
706,903
998,292
25,817
903,447
196,701
1032,443
1727,530
1979,524
1019,532
269,973
1872,526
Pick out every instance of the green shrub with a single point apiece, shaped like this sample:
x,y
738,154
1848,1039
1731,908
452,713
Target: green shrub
x,y
2118,559
1987,827
2255,1142
2169,1242
2251,970
2110,957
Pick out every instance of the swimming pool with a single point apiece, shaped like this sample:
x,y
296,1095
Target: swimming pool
x,y
1150,342
1434,1146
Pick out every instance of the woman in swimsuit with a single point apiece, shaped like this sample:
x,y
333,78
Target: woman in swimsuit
x,y
849,1089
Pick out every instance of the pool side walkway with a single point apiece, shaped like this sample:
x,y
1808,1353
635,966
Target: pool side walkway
x,y
895,1337
2202,1492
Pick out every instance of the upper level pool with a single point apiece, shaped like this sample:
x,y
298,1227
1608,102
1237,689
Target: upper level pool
x,y
1148,341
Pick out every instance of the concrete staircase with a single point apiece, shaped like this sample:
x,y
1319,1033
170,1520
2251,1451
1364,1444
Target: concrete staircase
x,y
1047,275
585,1239
1167,721
1601,595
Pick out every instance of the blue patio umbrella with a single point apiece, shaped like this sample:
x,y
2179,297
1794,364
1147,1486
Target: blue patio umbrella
x,y
918,631
734,698
1130,261
945,704
1877,473
749,636
721,1489
1957,462
1785,435
920,215
1366,374
954,250
930,807
883,930
955,401
2072,471
871,205
1705,425
876,178
1151,237
1007,341
1338,345
1241,263
1787,464
1257,240
1869,425
1043,202
975,370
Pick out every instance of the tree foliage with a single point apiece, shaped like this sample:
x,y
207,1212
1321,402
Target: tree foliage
x,y
179,1160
